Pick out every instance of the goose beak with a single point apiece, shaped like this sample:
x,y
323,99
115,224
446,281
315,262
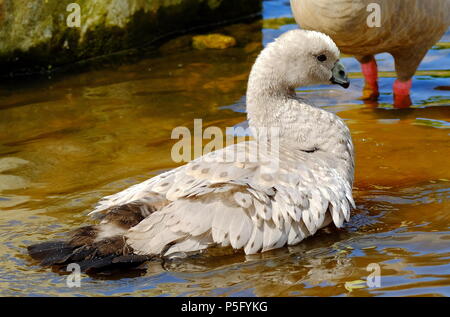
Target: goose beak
x,y
339,76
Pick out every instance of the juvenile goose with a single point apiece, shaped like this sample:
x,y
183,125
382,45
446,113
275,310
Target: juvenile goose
x,y
254,205
407,30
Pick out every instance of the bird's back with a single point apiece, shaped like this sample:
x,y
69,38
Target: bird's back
x,y
404,24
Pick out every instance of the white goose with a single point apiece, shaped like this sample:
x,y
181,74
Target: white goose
x,y
252,206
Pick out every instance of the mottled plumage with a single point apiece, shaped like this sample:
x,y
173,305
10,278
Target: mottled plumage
x,y
286,195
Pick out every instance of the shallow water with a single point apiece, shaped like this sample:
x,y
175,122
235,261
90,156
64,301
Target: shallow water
x,y
67,141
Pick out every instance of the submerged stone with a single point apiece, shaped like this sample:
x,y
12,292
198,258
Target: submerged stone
x,y
276,23
215,41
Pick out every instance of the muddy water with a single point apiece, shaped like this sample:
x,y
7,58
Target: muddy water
x,y
67,141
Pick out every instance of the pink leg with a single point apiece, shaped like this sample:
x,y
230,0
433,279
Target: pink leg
x,y
370,72
401,93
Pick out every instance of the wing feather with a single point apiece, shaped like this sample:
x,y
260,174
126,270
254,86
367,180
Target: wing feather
x,y
246,205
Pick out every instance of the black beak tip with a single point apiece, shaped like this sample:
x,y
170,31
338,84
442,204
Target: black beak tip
x,y
346,84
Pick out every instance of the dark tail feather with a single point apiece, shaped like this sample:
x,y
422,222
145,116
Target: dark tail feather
x,y
112,262
50,253
92,256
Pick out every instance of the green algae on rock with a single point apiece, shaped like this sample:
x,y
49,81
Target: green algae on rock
x,y
35,34
215,41
276,23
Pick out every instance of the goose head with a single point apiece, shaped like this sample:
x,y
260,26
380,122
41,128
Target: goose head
x,y
309,58
299,58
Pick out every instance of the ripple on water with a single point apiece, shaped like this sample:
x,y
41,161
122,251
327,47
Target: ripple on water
x,y
107,129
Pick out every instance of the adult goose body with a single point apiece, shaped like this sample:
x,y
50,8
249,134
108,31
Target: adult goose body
x,y
406,29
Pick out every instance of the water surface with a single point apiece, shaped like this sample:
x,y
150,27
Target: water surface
x,y
69,140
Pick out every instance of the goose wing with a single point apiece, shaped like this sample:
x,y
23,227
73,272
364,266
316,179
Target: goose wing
x,y
251,204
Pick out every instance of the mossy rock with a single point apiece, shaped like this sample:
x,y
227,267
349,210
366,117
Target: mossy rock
x,y
35,34
276,23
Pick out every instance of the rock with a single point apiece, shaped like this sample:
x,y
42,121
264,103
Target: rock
x,y
216,41
36,34
276,23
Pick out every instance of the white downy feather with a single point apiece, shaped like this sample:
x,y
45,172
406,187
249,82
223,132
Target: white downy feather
x,y
255,205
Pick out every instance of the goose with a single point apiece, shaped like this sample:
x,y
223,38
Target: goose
x,y
407,30
288,193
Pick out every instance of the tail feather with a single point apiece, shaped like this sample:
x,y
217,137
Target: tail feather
x,y
50,253
95,257
94,248
97,263
112,262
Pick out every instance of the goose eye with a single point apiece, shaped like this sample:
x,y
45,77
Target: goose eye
x,y
322,58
